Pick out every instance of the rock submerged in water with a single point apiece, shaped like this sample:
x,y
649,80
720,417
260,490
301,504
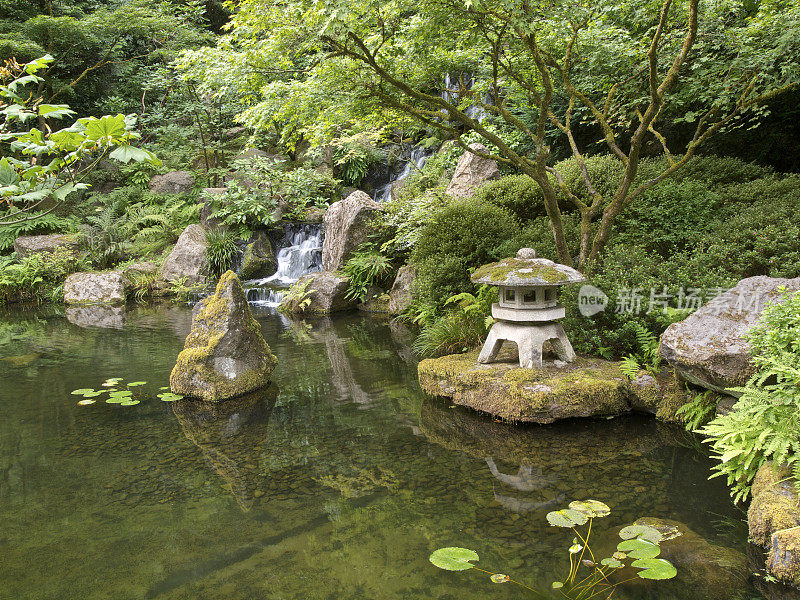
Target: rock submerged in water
x,y
225,354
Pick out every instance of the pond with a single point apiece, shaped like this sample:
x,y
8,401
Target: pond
x,y
336,482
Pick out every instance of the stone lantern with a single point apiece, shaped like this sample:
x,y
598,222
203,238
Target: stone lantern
x,y
528,308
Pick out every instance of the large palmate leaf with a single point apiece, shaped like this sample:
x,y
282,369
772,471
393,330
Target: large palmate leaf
x,y
453,558
106,127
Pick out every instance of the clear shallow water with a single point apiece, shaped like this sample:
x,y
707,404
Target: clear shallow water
x,y
337,482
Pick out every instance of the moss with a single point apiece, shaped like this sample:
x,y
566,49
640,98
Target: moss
x,y
194,369
774,506
587,387
499,271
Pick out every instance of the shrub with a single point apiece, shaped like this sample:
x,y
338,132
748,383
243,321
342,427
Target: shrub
x,y
674,216
467,229
716,171
461,236
765,423
758,232
38,277
519,194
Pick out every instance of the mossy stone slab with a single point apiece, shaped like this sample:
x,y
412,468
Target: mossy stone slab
x,y
587,387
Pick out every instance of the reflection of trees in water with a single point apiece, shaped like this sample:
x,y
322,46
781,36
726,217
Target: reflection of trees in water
x,y
230,435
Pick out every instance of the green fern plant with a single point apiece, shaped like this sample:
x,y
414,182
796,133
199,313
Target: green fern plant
x,y
647,357
764,424
158,226
698,411
297,298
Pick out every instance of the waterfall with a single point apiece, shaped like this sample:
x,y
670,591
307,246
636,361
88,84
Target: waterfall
x,y
452,85
299,253
419,156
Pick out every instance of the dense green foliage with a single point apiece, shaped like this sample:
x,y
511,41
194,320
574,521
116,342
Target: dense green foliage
x,y
764,424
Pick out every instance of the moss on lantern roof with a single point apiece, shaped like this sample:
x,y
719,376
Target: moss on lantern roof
x,y
526,272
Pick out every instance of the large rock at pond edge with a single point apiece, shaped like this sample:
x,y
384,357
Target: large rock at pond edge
x,y
705,571
258,259
347,224
585,388
325,292
225,354
174,182
187,261
25,245
709,347
471,172
400,294
774,522
95,288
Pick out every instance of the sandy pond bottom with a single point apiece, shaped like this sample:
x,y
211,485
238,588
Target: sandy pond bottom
x,y
337,482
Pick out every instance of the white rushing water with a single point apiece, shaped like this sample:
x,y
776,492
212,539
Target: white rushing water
x,y
419,156
299,253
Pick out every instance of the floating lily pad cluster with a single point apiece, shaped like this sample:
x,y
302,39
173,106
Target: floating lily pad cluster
x,y
119,393
639,545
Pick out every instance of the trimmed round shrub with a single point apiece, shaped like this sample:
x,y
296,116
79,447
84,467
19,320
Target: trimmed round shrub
x,y
460,237
519,194
467,229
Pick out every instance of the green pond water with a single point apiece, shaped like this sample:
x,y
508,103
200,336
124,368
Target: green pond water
x,y
337,482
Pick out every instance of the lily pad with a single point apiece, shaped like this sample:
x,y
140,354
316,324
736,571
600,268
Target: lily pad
x,y
453,558
592,508
639,548
136,383
86,401
655,568
93,394
575,548
557,585
169,397
82,391
114,400
500,578
128,402
566,518
611,562
120,393
643,532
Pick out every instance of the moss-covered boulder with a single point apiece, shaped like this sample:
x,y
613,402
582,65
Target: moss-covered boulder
x,y
774,522
588,387
225,354
258,259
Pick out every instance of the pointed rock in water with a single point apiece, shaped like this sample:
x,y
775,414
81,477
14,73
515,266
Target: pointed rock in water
x,y
225,354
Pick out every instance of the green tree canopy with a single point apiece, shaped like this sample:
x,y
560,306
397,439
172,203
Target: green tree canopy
x,y
539,70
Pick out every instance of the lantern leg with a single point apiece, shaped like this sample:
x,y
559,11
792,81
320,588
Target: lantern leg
x,y
491,347
561,344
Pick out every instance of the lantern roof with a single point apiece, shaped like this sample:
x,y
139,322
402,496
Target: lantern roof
x,y
525,270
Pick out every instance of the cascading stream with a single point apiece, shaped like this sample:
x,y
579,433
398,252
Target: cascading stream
x,y
419,156
299,253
